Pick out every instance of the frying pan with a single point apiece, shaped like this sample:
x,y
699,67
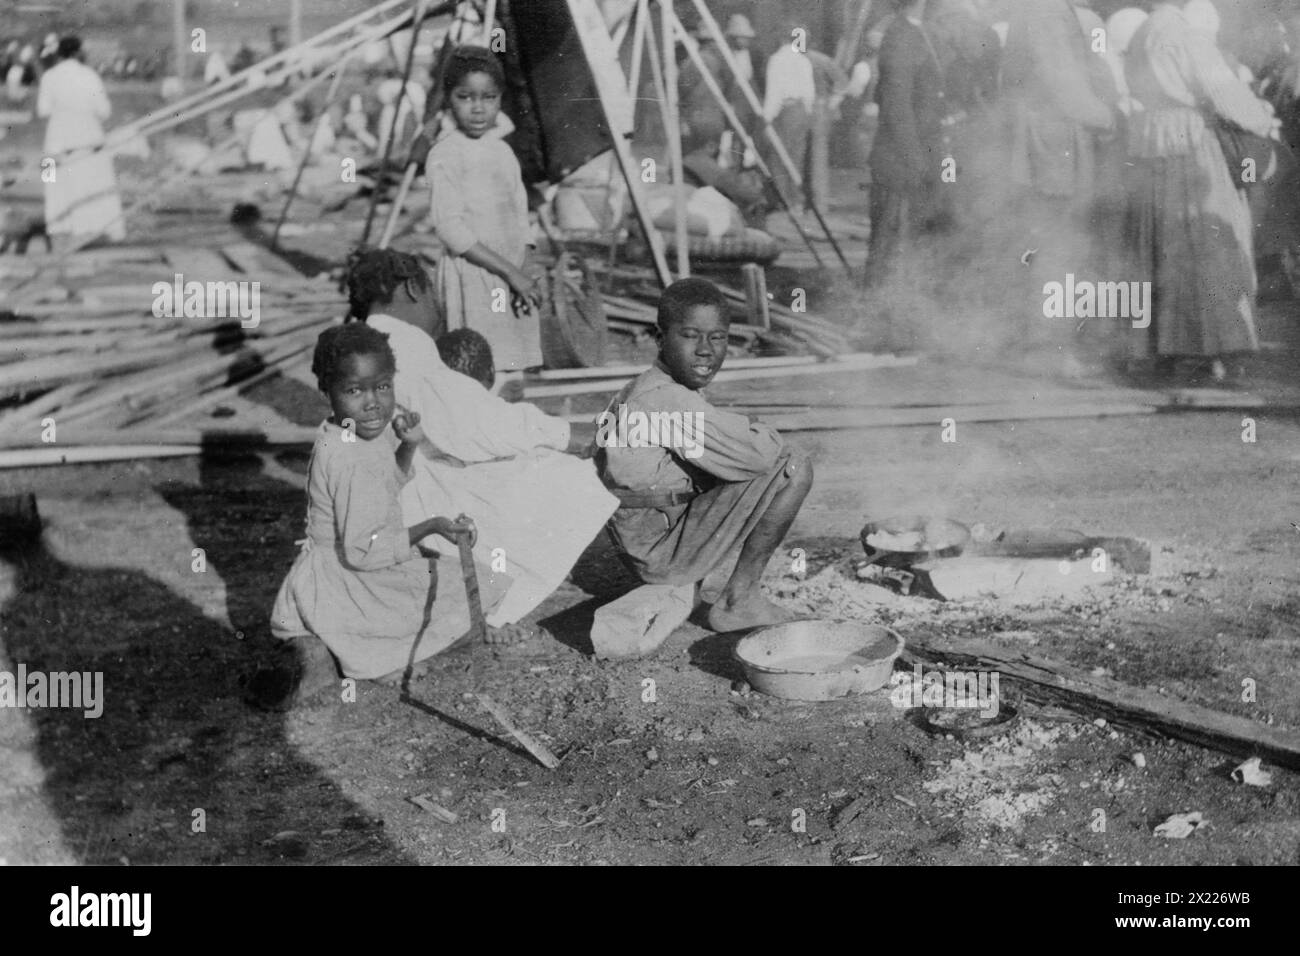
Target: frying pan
x,y
939,538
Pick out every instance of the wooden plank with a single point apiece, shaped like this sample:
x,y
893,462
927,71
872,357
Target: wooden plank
x,y
1064,684
841,419
847,364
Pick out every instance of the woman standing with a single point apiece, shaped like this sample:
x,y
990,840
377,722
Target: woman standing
x,y
80,188
1191,221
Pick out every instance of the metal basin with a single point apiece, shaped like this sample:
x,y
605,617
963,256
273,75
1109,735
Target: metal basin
x,y
818,660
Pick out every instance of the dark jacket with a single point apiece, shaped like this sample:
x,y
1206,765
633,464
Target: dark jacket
x,y
1055,112
908,151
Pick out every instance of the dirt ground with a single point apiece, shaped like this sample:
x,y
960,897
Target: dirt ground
x,y
666,759
670,759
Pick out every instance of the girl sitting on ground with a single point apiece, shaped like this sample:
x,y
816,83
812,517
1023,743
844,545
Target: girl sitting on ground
x,y
360,585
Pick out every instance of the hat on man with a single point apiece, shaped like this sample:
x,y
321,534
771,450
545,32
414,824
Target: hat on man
x,y
739,26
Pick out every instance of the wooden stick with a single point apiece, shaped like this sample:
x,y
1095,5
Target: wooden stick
x,y
529,742
306,152
843,419
756,295
673,114
416,23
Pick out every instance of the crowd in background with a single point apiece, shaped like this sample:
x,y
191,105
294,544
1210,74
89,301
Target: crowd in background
x,y
1150,143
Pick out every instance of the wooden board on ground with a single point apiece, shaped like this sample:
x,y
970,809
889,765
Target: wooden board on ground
x,y
849,418
1060,683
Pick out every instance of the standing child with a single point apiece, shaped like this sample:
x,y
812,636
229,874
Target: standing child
x,y
479,210
360,584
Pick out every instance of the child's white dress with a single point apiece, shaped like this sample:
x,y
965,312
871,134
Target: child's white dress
x,y
477,195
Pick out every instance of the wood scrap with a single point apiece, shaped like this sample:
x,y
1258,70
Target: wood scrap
x,y
838,419
1059,683
527,740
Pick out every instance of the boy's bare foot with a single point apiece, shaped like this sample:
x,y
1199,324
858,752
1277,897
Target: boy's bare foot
x,y
756,611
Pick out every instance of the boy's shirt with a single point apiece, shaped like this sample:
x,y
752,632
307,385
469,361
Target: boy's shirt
x,y
686,437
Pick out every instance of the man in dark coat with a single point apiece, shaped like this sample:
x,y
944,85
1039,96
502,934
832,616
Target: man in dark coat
x,y
907,158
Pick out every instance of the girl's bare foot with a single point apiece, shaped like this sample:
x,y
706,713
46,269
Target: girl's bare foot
x,y
511,634
755,611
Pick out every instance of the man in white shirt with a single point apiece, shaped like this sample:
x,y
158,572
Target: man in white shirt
x,y
791,92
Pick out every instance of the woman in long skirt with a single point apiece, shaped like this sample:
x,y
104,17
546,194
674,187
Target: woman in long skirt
x,y
1191,223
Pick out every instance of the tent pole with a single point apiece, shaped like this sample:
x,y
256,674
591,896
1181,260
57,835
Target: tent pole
x,y
674,118
603,60
417,21
692,48
782,153
641,13
395,213
306,153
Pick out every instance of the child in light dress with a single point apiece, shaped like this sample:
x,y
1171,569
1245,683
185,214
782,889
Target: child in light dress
x,y
479,210
360,585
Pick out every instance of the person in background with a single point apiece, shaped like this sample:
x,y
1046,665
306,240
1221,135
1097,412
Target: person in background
x,y
703,121
1192,226
1055,117
907,155
49,54
21,75
831,84
740,39
790,93
81,199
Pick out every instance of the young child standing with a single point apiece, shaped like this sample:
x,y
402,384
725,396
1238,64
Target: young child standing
x,y
479,210
359,583
689,495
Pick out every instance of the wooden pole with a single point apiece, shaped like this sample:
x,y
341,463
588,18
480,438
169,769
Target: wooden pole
x,y
416,23
641,14
693,50
782,153
263,67
306,153
673,114
756,295
180,46
295,23
603,60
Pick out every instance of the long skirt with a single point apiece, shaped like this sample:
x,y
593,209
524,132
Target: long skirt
x,y
1192,238
82,198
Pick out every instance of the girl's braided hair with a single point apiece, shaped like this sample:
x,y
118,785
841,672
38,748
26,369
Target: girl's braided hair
x,y
338,342
374,275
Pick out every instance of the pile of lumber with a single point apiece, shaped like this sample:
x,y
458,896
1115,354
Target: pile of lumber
x,y
100,363
791,333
